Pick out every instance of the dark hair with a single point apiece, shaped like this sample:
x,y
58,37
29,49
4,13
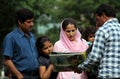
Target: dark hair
x,y
89,30
68,21
106,9
23,14
40,42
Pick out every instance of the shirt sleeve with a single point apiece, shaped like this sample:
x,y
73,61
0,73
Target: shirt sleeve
x,y
8,47
97,51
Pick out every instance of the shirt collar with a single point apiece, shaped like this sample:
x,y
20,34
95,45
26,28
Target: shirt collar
x,y
112,19
21,33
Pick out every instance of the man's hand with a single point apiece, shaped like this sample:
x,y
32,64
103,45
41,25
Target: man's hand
x,y
78,69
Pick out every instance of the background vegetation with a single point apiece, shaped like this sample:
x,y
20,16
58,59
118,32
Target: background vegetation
x,y
51,11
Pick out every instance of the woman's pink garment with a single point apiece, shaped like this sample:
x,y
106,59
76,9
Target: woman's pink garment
x,y
71,75
65,45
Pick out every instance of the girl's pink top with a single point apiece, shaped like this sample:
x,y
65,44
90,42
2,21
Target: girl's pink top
x,y
64,45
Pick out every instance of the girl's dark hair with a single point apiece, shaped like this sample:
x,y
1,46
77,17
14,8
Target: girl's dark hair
x,y
106,9
40,42
23,14
68,21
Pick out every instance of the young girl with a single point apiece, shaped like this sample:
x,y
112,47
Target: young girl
x,y
89,36
45,47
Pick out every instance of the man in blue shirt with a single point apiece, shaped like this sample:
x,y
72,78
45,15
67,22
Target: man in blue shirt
x,y
106,46
19,50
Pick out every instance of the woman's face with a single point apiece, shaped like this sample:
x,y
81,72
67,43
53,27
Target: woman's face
x,y
70,31
48,48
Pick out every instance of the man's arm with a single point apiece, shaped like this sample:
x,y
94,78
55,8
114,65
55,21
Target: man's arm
x,y
12,68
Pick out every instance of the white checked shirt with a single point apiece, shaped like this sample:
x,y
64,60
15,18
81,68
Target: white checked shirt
x,y
106,50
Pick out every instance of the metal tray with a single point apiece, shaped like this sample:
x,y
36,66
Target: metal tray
x,y
66,61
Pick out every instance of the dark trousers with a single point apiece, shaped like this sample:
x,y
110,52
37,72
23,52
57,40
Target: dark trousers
x,y
28,77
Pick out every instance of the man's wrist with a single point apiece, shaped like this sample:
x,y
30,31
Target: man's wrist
x,y
78,69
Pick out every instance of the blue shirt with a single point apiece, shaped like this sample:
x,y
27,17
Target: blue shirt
x,y
21,50
106,50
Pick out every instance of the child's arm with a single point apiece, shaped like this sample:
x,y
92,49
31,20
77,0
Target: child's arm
x,y
44,72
